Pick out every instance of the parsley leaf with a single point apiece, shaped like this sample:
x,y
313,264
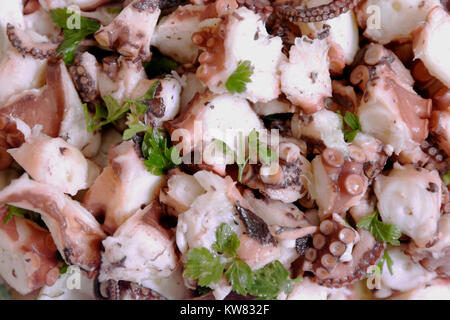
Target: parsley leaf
x,y
111,113
383,232
203,265
265,154
23,213
386,258
114,10
227,242
352,121
5,294
159,157
238,80
268,281
159,65
14,211
239,275
141,106
72,36
63,268
265,283
134,129
446,178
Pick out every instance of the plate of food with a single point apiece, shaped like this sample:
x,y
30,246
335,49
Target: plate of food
x,y
224,149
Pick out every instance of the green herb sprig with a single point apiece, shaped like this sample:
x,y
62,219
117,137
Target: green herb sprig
x,y
446,178
5,294
383,232
265,154
353,122
237,82
72,37
159,158
210,266
23,213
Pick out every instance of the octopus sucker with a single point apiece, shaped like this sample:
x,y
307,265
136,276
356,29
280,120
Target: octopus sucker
x,y
315,14
366,253
26,46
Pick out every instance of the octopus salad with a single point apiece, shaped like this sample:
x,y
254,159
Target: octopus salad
x,y
224,149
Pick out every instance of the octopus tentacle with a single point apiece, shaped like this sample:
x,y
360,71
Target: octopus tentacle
x,y
315,14
26,46
332,243
85,81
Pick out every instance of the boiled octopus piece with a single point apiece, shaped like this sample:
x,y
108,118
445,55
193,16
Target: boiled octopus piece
x,y
385,21
390,110
29,256
181,191
211,116
324,12
131,31
231,41
336,250
140,249
26,46
54,162
84,72
372,152
19,73
338,183
438,158
365,254
305,78
57,108
285,180
411,198
322,129
173,33
341,33
122,187
76,233
43,106
165,104
428,45
406,275
436,257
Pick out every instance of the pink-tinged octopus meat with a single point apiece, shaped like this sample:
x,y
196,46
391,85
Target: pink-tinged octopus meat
x,y
122,187
131,31
429,47
54,162
340,32
385,21
340,255
28,256
27,46
390,110
57,108
156,269
75,231
411,199
305,78
437,256
338,183
240,36
285,181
